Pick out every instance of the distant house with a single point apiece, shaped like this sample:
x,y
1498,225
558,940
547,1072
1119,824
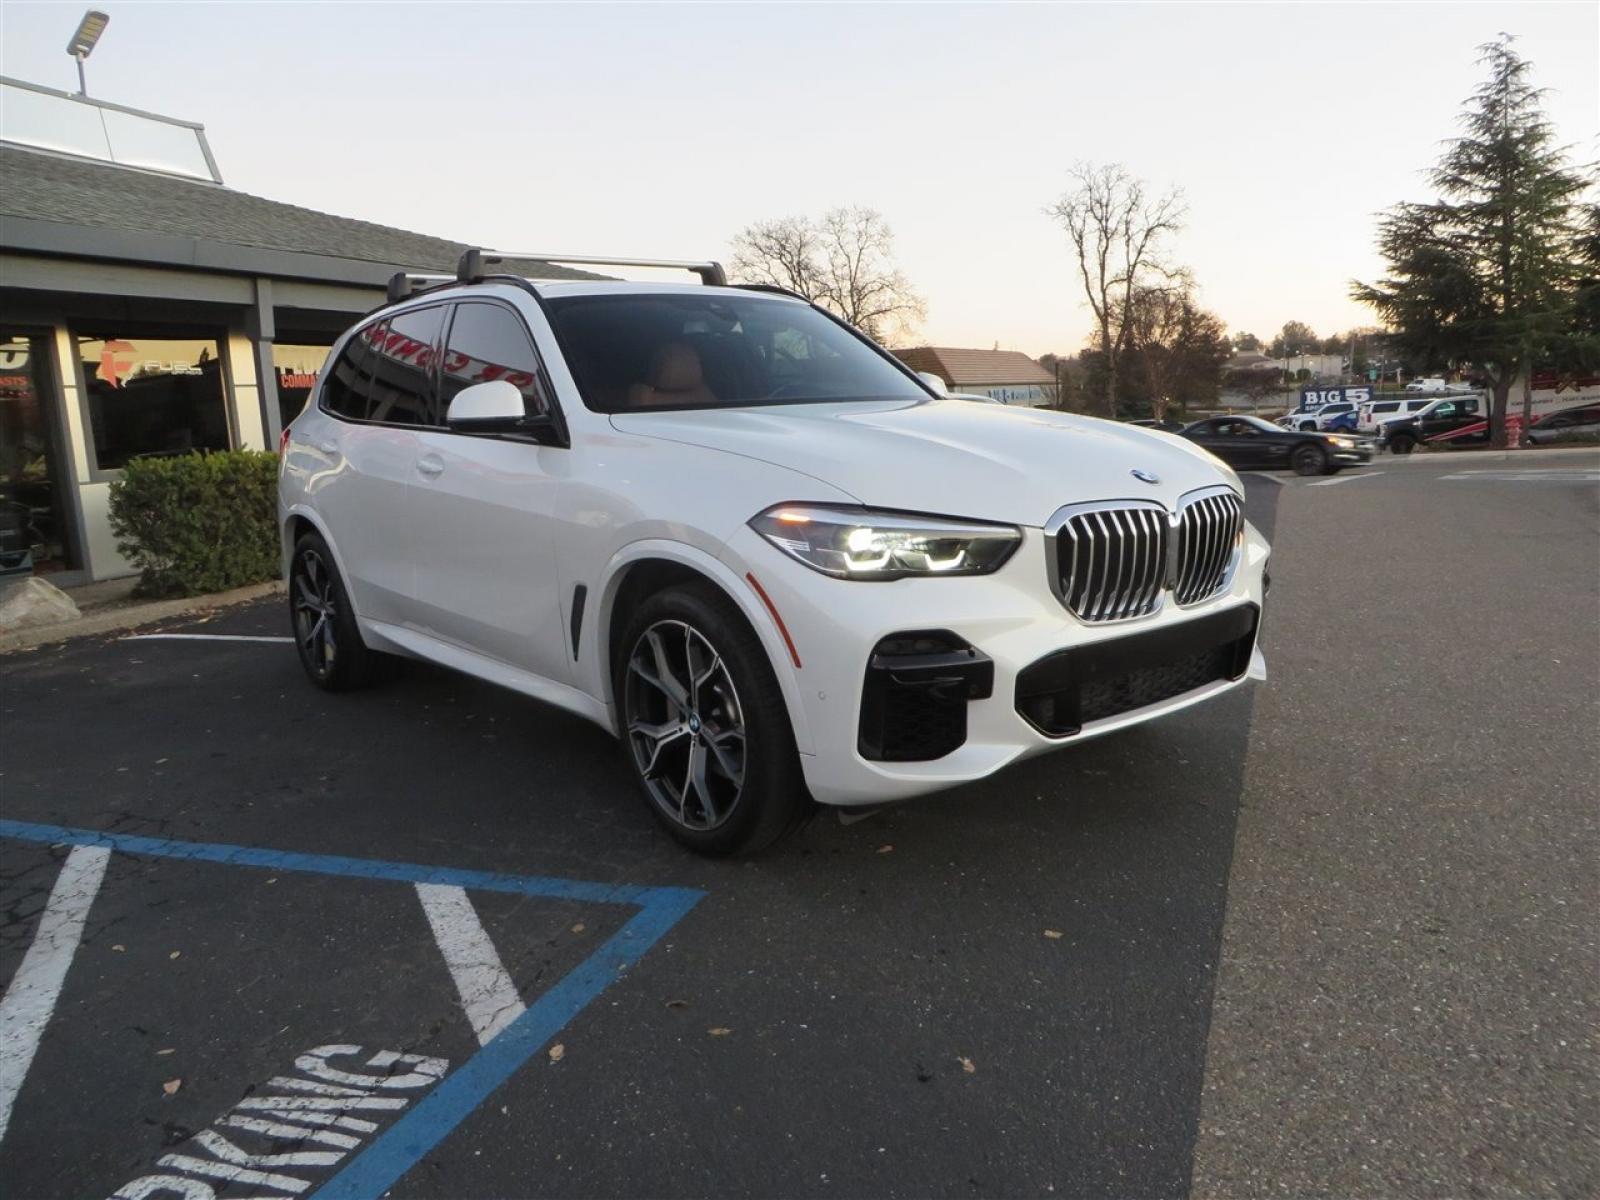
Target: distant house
x,y
1009,376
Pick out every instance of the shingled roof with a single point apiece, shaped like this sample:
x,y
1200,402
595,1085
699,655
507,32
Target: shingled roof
x,y
975,368
43,187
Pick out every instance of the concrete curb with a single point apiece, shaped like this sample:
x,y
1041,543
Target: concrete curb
x,y
1471,456
131,616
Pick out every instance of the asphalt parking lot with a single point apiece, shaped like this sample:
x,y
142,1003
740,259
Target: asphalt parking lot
x,y
1334,936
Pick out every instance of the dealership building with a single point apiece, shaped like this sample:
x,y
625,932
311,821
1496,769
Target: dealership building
x,y
148,309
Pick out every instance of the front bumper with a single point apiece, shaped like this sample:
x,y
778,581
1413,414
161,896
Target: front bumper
x,y
1011,620
1353,457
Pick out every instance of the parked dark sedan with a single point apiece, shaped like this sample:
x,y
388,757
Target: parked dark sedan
x,y
1249,443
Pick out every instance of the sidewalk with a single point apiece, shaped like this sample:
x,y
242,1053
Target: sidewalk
x,y
109,606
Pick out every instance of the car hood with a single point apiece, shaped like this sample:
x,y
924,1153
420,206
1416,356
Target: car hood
x,y
952,457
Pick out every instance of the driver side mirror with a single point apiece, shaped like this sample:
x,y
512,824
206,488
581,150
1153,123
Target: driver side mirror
x,y
496,406
934,383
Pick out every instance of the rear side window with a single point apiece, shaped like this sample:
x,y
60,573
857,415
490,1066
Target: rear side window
x,y
347,389
1387,406
488,342
402,384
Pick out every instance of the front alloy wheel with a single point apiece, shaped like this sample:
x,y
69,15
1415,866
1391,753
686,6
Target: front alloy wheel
x,y
685,726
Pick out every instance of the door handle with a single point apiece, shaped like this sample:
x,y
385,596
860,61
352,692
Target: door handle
x,y
430,465
328,447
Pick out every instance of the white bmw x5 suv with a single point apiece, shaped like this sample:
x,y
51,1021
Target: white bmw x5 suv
x,y
729,528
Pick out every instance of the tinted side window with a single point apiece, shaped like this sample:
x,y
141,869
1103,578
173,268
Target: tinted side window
x,y
346,390
402,385
488,342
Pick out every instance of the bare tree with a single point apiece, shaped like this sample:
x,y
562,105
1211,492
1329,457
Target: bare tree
x,y
786,253
1117,230
844,262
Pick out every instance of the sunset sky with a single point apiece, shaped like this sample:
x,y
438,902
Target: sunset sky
x,y
662,129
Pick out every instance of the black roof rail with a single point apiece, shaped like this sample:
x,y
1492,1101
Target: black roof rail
x,y
774,288
470,268
403,284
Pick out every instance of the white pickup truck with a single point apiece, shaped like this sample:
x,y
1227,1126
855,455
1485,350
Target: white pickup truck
x,y
1435,385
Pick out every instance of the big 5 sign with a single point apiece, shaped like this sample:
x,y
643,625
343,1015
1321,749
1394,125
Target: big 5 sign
x,y
1317,397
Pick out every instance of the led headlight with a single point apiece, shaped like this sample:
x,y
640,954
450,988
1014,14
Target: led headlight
x,y
869,543
1343,443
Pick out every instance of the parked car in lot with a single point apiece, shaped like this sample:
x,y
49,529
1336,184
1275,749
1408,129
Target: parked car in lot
x,y
1249,443
1166,424
1375,413
1564,424
1445,418
748,541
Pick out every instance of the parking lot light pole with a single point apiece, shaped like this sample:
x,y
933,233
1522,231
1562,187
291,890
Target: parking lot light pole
x,y
83,42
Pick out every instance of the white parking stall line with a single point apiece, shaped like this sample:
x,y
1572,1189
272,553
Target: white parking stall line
x,y
1345,479
487,992
205,637
26,1008
1554,475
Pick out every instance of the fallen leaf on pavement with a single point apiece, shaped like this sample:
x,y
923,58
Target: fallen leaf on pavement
x,y
557,1052
171,1086
719,1031
119,948
168,1050
967,1065
677,1004
1053,934
175,954
578,928
885,848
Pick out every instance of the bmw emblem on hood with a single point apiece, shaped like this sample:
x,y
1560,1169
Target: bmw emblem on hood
x,y
1144,476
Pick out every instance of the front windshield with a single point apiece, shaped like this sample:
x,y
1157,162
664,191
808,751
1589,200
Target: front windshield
x,y
637,352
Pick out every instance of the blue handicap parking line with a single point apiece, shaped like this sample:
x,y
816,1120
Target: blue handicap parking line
x,y
403,1144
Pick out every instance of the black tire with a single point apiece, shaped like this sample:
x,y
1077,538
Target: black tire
x,y
1308,426
323,622
749,790
1309,460
1403,443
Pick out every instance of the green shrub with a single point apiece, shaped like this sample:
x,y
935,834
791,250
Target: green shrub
x,y
198,523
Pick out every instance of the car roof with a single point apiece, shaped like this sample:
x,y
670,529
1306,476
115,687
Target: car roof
x,y
508,288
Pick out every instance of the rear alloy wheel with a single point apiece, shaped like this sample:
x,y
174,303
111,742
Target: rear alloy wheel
x,y
325,631
1310,460
706,728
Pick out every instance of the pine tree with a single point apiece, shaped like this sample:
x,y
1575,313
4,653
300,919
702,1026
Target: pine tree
x,y
1487,275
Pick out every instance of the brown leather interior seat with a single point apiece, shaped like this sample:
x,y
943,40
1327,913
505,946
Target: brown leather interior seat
x,y
676,378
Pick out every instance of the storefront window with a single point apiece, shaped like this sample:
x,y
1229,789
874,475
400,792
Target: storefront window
x,y
296,368
32,523
152,396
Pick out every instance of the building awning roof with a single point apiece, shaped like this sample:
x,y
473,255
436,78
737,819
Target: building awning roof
x,y
975,368
55,204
